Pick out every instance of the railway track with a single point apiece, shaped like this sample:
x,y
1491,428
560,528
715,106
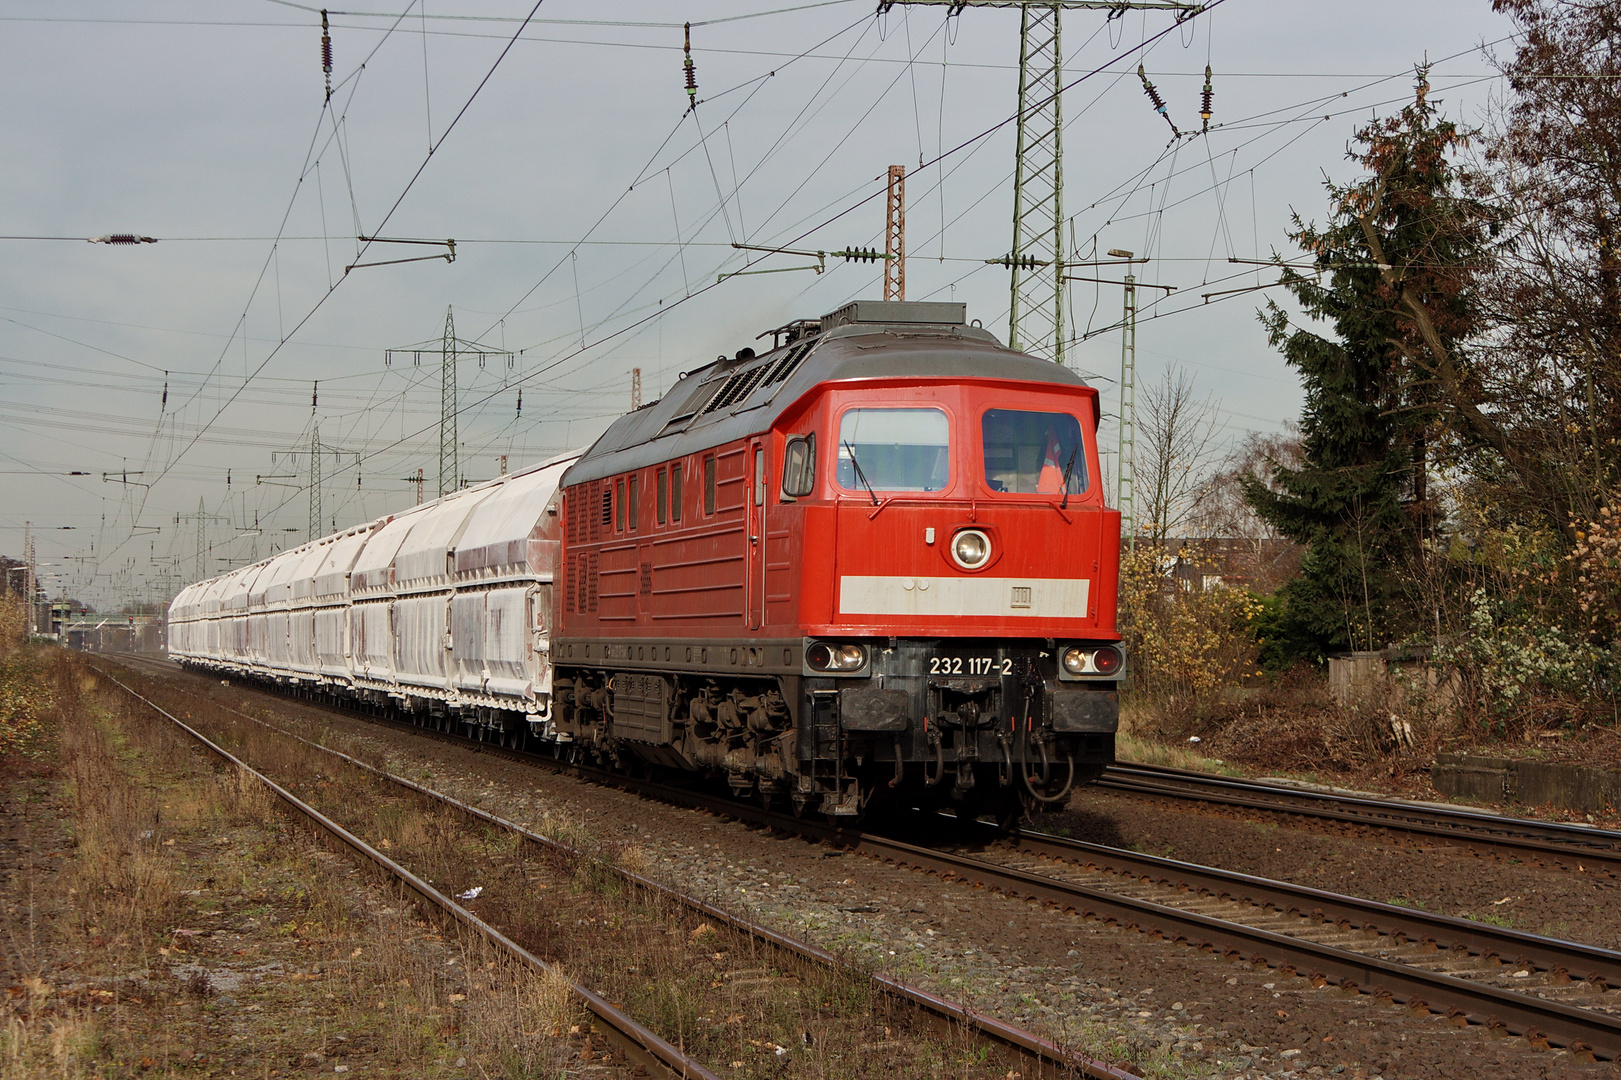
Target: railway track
x,y
1575,847
637,1042
1429,963
1038,1056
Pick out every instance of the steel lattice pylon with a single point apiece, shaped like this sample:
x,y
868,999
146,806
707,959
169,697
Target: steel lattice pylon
x,y
1126,476
1036,308
450,349
1036,303
447,409
315,483
895,235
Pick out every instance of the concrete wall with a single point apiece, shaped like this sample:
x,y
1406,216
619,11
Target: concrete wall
x,y
1530,783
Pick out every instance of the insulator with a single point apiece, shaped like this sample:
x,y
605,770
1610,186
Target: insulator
x,y
1148,88
1204,100
689,68
326,53
520,401
315,395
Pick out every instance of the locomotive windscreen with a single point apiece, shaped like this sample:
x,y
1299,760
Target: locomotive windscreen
x,y
894,449
1028,452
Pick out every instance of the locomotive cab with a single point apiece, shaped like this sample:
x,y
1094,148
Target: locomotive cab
x,y
871,565
957,584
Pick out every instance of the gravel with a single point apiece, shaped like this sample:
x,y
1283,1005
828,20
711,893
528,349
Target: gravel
x,y
1170,1009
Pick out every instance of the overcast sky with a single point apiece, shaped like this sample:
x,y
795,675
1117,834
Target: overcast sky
x,y
592,214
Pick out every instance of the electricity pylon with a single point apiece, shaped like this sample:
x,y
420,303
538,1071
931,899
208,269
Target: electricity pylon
x,y
451,349
447,408
202,517
1036,301
895,235
315,529
317,449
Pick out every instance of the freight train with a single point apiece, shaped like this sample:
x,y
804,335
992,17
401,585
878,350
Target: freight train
x,y
872,566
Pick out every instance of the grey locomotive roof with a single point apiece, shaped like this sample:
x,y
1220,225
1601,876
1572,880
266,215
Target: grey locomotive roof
x,y
727,400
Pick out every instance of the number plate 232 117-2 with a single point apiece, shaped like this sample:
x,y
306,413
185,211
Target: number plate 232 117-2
x,y
970,665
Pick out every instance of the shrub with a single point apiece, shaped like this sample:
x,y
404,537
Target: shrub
x,y
1189,635
24,691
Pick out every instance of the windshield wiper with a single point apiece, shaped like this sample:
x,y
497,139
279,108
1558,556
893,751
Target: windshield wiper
x,y
1065,482
859,474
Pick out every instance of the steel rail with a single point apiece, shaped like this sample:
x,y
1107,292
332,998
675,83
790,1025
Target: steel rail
x,y
643,1045
1018,1039
1562,842
1581,1030
1598,966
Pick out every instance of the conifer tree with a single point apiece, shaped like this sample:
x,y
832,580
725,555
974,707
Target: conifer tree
x,y
1392,278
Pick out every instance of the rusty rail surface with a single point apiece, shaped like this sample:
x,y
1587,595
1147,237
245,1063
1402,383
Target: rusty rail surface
x,y
1597,966
1572,845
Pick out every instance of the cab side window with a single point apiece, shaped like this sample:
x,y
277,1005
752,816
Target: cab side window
x,y
799,466
709,484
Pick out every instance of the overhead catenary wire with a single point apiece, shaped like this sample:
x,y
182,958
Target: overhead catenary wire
x,y
592,281
839,215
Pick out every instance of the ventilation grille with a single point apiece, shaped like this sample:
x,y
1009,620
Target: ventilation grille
x,y
736,389
789,363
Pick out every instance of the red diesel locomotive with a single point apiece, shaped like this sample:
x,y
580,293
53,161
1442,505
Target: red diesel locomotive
x,y
871,565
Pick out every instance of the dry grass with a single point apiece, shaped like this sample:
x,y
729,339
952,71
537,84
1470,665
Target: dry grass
x,y
130,967
727,997
1141,741
40,1039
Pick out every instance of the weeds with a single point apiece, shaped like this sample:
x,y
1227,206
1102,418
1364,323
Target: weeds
x,y
725,996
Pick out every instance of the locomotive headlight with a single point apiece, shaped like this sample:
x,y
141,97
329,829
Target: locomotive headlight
x,y
828,656
1104,661
970,548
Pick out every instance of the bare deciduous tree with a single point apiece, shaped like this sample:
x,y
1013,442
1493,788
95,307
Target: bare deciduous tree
x,y
1178,442
1223,509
